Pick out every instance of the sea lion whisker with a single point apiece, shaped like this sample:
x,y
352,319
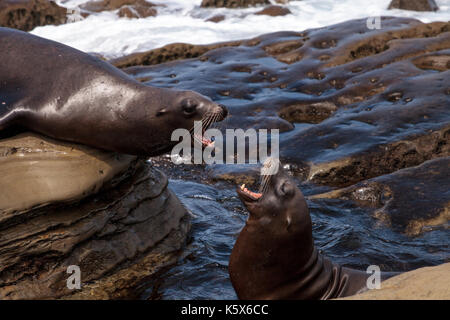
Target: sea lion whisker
x,y
261,185
267,182
206,119
206,124
215,119
214,122
264,184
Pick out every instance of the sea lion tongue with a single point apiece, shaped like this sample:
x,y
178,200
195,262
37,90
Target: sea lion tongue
x,y
250,193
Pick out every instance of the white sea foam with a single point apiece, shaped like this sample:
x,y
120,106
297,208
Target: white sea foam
x,y
184,21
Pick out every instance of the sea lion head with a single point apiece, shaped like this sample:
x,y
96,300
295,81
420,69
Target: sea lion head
x,y
279,206
182,108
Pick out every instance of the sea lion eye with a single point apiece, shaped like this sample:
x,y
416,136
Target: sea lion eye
x,y
189,106
286,189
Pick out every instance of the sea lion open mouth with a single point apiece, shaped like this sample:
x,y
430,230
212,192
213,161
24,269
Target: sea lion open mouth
x,y
248,195
269,168
208,120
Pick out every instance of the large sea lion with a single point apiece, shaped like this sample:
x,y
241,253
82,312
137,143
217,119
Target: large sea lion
x,y
66,94
274,256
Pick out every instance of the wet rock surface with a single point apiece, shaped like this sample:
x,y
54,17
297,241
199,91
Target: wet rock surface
x,y
430,283
354,94
351,103
412,200
414,5
64,204
170,52
27,14
232,3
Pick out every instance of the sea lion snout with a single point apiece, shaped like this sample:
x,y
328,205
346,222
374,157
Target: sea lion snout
x,y
210,108
223,110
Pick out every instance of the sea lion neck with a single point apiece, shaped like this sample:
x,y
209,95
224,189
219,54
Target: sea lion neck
x,y
255,260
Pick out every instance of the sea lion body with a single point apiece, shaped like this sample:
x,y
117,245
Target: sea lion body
x,y
274,256
66,94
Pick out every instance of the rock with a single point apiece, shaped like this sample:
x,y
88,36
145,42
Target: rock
x,y
27,14
127,8
106,5
411,201
274,11
232,3
414,5
64,204
429,283
170,52
242,174
38,171
217,18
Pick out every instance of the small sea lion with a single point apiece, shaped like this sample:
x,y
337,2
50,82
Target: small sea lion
x,y
274,256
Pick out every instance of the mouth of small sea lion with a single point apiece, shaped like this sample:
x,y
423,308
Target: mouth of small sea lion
x,y
267,172
248,195
209,118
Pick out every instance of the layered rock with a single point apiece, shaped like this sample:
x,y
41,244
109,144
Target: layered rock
x,y
27,14
62,204
429,283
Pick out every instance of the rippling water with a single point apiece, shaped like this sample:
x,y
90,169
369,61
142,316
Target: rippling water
x,y
345,233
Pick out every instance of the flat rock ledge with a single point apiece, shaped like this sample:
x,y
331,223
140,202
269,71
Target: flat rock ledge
x,y
429,283
67,205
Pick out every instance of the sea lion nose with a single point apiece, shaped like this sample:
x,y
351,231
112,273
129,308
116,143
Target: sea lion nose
x,y
224,111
